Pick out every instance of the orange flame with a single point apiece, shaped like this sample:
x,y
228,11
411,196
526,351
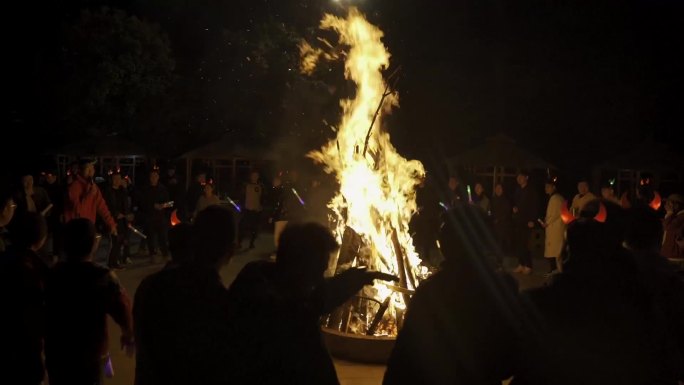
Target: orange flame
x,y
377,188
656,202
174,218
566,215
602,214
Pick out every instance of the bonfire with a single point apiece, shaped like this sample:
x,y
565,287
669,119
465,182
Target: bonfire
x,y
377,186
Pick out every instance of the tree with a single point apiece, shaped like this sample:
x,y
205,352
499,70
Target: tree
x,y
112,65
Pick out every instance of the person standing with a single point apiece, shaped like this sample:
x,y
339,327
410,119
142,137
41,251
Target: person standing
x,y
290,206
155,199
277,196
608,192
79,296
480,199
30,198
455,192
249,224
208,198
117,200
501,214
673,225
84,199
554,228
525,215
182,315
22,293
195,191
55,192
583,196
176,193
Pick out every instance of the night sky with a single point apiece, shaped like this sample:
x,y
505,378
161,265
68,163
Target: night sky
x,y
575,81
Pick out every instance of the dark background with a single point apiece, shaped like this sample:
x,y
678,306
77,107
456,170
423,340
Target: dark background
x,y
575,81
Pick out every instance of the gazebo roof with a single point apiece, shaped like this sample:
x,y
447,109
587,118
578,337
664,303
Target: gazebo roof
x,y
500,151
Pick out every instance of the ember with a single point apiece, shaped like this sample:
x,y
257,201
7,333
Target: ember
x,y
376,199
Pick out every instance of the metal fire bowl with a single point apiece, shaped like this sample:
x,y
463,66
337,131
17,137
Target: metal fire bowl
x,y
358,348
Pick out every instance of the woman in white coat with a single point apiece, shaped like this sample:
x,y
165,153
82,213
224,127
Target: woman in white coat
x,y
554,228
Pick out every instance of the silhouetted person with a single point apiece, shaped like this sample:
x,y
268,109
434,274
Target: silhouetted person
x,y
458,328
664,286
673,226
153,208
525,216
116,197
195,191
278,306
317,198
56,192
31,198
180,245
596,323
7,209
502,218
249,224
455,192
79,296
181,312
22,280
426,221
289,207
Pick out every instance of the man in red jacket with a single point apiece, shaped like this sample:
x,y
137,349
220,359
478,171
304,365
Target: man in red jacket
x,y
84,199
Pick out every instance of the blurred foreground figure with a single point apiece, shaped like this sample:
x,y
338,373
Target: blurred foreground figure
x,y
597,322
458,329
22,281
180,313
79,296
278,306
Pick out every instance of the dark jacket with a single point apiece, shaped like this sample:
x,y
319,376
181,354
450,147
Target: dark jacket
x,y
79,296
182,325
117,201
288,206
596,325
278,336
458,330
501,210
527,202
150,196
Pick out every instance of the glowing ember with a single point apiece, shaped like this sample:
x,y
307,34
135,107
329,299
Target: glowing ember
x,y
377,185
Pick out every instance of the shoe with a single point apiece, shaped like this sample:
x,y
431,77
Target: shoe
x,y
526,270
551,273
251,246
519,269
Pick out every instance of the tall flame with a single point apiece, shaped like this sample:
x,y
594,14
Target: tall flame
x,y
377,186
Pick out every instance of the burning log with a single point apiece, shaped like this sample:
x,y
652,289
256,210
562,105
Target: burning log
x,y
404,275
378,316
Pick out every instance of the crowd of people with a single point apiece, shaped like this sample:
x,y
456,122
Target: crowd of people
x,y
611,313
513,217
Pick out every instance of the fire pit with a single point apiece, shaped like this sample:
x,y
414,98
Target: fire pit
x,y
357,347
376,199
